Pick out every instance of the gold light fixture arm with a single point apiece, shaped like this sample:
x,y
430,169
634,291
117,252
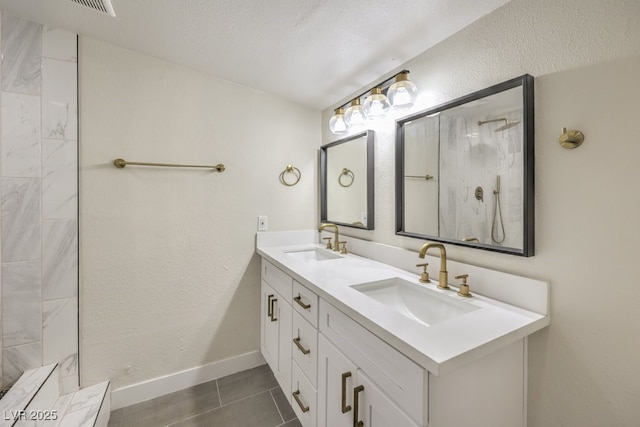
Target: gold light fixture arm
x,y
121,163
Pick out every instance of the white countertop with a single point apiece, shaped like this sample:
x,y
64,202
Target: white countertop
x,y
439,348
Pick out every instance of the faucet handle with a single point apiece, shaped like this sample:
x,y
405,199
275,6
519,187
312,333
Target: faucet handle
x,y
344,247
464,288
328,239
424,276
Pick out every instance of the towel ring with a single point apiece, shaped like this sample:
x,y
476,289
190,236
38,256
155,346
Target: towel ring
x,y
291,170
349,174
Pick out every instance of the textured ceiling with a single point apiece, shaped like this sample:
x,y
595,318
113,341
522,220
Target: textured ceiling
x,y
314,52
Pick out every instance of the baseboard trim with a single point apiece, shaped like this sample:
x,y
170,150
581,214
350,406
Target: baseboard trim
x,y
147,390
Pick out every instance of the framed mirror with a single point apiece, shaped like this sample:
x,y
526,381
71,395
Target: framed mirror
x,y
346,181
465,170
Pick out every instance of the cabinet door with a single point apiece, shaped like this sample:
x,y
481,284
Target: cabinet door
x,y
336,381
374,409
284,323
269,326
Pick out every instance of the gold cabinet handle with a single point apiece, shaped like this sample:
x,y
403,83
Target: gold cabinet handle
x,y
356,391
296,341
300,404
269,308
272,314
345,408
298,299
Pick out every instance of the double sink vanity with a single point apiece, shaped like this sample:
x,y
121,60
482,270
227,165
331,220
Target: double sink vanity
x,y
358,339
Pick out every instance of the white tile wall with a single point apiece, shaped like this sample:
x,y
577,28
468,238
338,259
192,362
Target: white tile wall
x,y
20,133
59,99
39,199
21,305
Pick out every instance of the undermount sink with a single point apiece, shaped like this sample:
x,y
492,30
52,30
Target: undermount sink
x,y
415,301
313,255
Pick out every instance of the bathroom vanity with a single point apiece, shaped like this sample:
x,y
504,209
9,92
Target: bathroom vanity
x,y
357,342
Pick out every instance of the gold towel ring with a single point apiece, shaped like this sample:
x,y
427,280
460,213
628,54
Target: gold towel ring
x,y
349,174
292,170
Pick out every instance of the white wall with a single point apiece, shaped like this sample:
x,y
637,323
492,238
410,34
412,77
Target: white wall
x,y
169,277
585,55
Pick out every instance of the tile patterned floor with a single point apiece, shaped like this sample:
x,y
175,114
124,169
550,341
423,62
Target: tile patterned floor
x,y
249,398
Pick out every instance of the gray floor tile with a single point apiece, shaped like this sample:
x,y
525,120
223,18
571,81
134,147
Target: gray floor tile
x,y
283,404
169,408
292,423
246,383
255,411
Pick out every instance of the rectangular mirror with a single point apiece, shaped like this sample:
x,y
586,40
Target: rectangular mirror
x,y
465,170
346,181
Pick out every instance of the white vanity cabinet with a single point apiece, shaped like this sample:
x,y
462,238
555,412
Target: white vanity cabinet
x,y
289,339
351,380
331,354
276,323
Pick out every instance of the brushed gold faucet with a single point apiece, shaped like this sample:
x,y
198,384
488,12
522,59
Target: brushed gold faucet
x,y
444,276
336,245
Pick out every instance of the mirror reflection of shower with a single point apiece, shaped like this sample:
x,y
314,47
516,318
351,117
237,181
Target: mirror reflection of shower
x,y
507,124
497,216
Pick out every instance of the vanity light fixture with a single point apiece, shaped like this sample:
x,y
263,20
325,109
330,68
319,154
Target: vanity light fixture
x,y
403,93
336,122
354,116
398,94
376,105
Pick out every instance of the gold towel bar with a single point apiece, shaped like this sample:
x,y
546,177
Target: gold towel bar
x,y
425,177
121,163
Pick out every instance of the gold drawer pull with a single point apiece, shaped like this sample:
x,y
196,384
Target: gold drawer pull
x,y
273,313
298,299
296,341
269,308
345,408
356,391
300,404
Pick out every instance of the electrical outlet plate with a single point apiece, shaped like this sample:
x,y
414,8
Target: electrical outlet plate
x,y
262,223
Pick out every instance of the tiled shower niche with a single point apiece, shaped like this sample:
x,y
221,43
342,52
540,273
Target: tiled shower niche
x,y
39,200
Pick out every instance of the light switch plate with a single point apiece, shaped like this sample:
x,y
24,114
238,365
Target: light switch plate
x,y
262,223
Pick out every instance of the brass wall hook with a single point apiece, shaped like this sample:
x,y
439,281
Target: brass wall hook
x,y
290,169
570,138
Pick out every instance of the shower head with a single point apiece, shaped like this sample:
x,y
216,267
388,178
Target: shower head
x,y
507,124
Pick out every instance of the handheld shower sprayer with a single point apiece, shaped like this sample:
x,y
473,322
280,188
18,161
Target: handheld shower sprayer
x,y
497,215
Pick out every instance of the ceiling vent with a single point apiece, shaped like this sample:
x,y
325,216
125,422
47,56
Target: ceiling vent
x,y
102,6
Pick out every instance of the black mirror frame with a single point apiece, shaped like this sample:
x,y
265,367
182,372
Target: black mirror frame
x,y
528,245
370,135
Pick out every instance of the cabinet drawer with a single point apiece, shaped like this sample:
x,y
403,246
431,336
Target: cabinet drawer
x,y
305,347
305,302
303,397
277,279
401,379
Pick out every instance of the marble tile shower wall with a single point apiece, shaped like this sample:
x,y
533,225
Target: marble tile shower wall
x,y
473,156
39,202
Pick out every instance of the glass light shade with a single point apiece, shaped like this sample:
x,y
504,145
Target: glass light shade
x,y
354,116
337,125
376,105
403,93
